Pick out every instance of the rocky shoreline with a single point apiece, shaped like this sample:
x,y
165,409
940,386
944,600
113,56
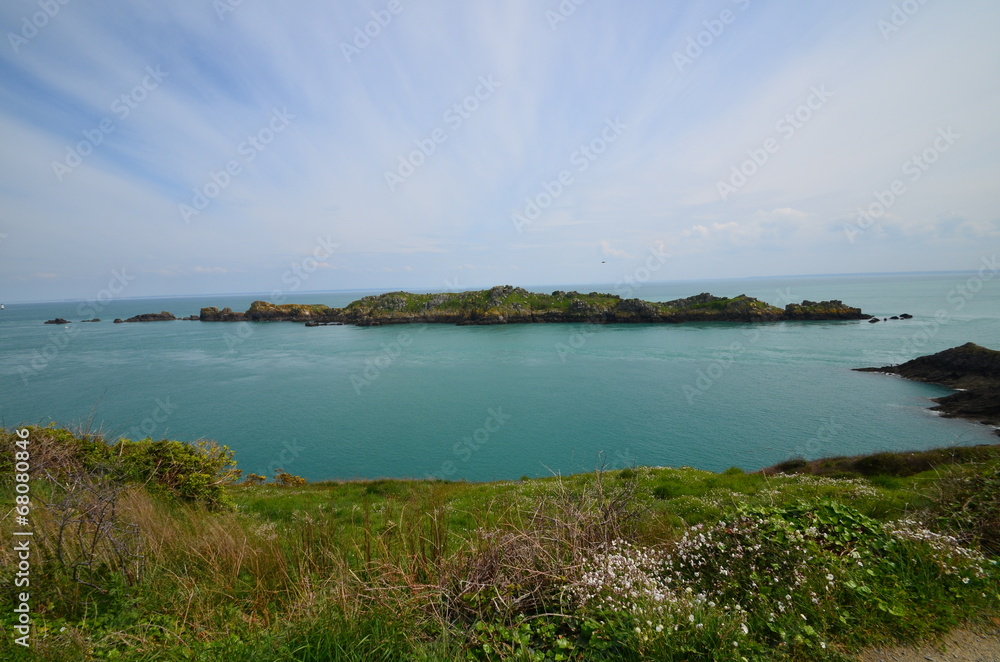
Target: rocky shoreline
x,y
973,370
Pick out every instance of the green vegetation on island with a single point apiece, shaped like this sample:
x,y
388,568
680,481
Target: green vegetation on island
x,y
156,551
507,305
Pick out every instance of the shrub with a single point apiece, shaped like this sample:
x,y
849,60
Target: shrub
x,y
285,479
254,479
194,472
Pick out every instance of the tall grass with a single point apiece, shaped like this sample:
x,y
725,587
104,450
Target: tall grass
x,y
638,564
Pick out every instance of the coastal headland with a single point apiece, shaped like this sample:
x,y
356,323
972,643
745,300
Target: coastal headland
x,y
973,370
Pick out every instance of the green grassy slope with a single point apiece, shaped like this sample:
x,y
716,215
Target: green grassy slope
x,y
164,557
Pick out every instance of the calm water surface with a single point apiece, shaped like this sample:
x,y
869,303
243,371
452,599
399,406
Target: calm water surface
x,y
482,403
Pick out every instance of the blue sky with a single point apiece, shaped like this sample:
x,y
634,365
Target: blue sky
x,y
209,147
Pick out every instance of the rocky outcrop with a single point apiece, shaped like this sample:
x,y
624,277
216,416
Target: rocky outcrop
x,y
263,311
153,317
118,320
972,369
213,314
873,320
58,320
822,310
96,319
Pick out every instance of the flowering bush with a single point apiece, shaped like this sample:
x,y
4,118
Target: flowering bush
x,y
786,578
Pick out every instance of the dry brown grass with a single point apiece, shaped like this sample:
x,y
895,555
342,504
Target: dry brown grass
x,y
520,570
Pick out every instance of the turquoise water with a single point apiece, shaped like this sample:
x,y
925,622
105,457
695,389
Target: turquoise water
x,y
482,403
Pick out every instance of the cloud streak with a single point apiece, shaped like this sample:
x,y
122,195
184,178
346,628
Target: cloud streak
x,y
85,82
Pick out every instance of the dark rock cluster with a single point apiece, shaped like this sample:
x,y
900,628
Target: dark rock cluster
x,y
904,316
163,316
213,314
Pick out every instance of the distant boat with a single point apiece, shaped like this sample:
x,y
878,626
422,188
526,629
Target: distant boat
x,y
1,306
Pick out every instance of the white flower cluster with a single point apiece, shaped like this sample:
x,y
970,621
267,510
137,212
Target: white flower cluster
x,y
623,577
948,553
854,488
745,550
265,530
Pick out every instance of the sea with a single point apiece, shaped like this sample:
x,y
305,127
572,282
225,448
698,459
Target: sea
x,y
483,403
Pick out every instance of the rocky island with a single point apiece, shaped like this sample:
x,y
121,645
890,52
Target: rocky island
x,y
515,305
163,316
971,369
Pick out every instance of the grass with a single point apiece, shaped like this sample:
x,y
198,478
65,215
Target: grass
x,y
642,563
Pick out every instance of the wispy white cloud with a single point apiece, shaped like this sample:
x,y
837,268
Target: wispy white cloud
x,y
413,98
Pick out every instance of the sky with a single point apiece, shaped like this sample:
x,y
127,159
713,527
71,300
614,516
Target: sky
x,y
229,146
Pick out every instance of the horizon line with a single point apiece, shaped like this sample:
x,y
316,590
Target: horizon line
x,y
537,285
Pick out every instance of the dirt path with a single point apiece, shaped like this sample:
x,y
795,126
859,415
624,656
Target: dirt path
x,y
957,646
